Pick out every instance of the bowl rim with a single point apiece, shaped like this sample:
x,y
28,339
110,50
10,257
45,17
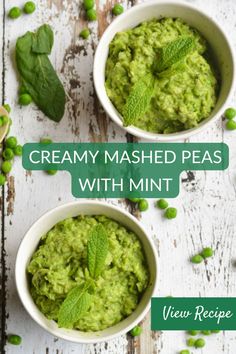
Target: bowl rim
x,y
24,293
115,115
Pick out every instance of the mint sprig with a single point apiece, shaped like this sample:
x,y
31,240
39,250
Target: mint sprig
x,y
78,300
75,304
97,250
138,100
141,93
173,52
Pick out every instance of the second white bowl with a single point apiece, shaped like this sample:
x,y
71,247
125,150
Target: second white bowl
x,y
196,18
30,244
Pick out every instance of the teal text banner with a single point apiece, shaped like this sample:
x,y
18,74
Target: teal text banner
x,y
193,313
125,170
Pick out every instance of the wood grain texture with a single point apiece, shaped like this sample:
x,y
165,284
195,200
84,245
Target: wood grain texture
x,y
206,204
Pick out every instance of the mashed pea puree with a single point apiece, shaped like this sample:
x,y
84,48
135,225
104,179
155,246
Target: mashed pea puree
x,y
60,263
184,94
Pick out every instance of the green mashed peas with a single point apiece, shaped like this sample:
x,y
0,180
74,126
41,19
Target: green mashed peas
x,y
184,94
60,263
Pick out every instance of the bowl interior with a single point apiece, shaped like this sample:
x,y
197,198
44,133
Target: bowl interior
x,y
30,243
220,46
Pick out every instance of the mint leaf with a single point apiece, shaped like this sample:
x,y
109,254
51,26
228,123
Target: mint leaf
x,y
75,304
173,52
138,100
43,40
97,250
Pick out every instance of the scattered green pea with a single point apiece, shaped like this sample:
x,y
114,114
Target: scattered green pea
x,y
185,351
7,107
6,167
117,9
207,252
2,179
231,125
170,213
206,332
143,205
25,99
191,342
230,113
91,15
162,204
5,120
14,339
197,259
11,142
29,7
200,343
136,331
45,141
193,332
18,150
85,33
22,90
14,12
51,172
8,154
88,4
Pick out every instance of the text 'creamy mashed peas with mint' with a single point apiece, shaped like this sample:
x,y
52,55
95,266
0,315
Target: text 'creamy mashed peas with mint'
x,y
60,264
183,95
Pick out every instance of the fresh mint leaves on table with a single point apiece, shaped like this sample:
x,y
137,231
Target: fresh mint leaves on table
x,y
78,299
37,73
141,93
76,303
97,251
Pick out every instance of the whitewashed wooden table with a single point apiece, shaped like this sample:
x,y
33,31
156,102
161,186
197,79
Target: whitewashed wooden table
x,y
206,204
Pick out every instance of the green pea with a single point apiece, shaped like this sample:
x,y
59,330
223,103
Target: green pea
x,y
197,259
117,9
29,7
14,12
171,213
22,90
200,343
206,332
143,205
18,150
231,125
46,141
207,252
230,113
6,167
25,99
88,4
85,33
51,172
7,107
185,351
14,339
136,331
91,15
191,342
8,154
193,332
162,204
11,142
2,179
5,120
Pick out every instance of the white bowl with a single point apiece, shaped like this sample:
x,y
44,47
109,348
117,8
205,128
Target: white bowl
x,y
196,18
30,244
